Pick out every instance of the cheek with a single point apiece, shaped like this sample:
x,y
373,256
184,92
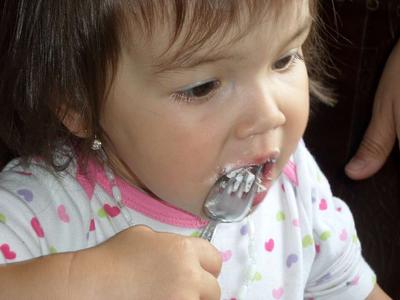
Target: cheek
x,y
296,111
177,154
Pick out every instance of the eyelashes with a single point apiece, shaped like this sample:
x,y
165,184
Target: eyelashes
x,y
198,93
287,61
204,91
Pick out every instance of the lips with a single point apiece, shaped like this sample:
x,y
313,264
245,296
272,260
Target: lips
x,y
268,161
265,159
266,180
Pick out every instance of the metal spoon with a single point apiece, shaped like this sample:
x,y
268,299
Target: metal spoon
x,y
231,198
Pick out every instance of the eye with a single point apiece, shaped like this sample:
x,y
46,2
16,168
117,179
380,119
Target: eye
x,y
199,92
287,61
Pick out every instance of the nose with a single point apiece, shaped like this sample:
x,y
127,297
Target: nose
x,y
260,113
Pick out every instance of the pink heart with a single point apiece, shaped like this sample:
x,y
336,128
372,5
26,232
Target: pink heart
x,y
277,293
226,255
296,222
112,211
317,248
355,280
343,235
269,245
37,227
323,205
62,213
92,226
7,253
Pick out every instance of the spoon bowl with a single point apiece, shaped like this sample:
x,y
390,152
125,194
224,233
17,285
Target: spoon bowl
x,y
231,198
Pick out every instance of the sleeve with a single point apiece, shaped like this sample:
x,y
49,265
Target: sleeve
x,y
20,229
38,216
338,271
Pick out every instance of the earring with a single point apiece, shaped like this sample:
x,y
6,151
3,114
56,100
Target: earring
x,y
96,145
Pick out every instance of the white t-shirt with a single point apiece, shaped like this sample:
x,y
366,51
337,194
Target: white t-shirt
x,y
300,242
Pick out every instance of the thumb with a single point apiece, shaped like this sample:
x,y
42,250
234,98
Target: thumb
x,y
374,149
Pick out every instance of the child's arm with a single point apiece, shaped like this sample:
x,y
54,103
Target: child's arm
x,y
378,294
138,263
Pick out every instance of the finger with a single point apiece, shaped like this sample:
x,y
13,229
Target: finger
x,y
209,287
209,257
397,118
376,145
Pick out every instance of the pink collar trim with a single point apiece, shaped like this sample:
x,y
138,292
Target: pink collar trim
x,y
134,198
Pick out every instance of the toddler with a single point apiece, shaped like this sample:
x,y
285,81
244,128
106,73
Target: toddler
x,y
125,113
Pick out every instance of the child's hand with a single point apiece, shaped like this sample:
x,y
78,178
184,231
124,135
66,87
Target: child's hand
x,y
139,263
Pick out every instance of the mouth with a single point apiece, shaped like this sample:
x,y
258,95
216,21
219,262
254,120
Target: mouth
x,y
266,180
263,180
266,177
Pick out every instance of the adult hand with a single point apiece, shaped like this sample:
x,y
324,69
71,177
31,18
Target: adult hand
x,y
140,263
384,126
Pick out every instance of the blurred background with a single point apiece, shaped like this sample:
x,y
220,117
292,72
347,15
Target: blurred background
x,y
360,35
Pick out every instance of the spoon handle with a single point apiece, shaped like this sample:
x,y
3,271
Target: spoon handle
x,y
208,231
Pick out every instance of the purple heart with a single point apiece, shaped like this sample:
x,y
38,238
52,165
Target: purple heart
x,y
26,194
244,230
291,259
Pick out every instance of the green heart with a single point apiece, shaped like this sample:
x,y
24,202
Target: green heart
x,y
355,238
2,218
102,213
307,241
52,250
325,235
257,277
319,176
280,216
195,234
373,279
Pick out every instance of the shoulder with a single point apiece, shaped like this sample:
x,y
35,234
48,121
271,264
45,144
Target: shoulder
x,y
305,177
40,211
33,183
306,163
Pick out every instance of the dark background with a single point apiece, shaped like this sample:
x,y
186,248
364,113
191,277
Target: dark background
x,y
360,35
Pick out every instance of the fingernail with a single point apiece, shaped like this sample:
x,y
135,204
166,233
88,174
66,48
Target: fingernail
x,y
356,164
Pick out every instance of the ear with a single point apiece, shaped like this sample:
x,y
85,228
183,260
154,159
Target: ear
x,y
74,123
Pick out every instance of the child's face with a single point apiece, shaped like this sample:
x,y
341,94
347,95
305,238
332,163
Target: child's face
x,y
173,133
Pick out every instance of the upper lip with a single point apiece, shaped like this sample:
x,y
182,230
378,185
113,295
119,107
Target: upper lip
x,y
256,160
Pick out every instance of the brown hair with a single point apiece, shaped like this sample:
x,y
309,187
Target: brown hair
x,y
58,56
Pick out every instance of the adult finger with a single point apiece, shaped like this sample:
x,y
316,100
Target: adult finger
x,y
377,142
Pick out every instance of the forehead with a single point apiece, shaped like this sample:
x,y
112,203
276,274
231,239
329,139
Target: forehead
x,y
172,32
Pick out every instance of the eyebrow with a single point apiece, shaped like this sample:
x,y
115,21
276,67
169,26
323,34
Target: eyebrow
x,y
196,61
